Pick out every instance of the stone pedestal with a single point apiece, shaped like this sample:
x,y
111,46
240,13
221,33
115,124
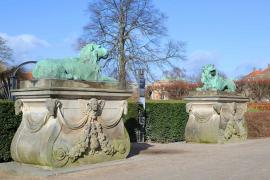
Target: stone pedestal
x,y
215,117
67,123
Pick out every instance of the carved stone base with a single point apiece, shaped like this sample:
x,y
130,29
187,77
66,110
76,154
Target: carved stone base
x,y
216,117
67,126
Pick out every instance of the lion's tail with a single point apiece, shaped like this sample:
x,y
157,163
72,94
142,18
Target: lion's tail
x,y
35,71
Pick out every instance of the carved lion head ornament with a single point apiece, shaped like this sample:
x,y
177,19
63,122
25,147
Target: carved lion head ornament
x,y
95,106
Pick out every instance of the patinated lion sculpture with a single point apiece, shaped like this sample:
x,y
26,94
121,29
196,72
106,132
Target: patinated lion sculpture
x,y
86,67
213,81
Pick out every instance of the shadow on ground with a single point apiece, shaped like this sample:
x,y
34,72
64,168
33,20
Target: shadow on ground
x,y
148,149
163,151
137,148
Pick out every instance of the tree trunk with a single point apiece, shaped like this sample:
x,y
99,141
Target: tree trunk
x,y
122,57
122,72
122,64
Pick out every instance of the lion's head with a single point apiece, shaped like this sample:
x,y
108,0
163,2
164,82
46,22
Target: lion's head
x,y
209,72
93,52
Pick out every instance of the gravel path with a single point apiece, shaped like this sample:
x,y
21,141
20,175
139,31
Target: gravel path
x,y
248,161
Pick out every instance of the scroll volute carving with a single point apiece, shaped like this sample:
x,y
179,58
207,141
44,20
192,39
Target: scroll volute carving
x,y
18,106
240,111
227,113
188,107
52,105
125,106
217,107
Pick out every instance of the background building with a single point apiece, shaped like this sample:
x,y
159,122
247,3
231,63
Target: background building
x,y
169,89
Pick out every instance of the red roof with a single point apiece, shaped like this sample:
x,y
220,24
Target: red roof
x,y
258,73
254,73
267,70
25,76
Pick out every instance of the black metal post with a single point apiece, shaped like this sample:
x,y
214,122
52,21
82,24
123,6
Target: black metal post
x,y
141,102
13,85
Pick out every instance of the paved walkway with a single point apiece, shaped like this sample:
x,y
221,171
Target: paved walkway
x,y
176,161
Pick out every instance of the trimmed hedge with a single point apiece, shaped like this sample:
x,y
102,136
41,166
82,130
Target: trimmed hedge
x,y
165,121
9,123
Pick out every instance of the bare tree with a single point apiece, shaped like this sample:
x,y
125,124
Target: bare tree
x,y
222,74
132,31
5,53
256,89
175,74
5,57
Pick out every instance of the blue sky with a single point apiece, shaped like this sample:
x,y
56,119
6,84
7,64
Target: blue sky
x,y
233,34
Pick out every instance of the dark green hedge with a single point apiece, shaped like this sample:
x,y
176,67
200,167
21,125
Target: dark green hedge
x,y
9,123
165,121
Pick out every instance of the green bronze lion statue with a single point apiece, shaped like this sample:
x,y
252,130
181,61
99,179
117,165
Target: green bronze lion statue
x,y
86,67
213,81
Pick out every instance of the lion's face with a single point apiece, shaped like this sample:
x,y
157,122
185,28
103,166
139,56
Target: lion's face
x,y
101,52
210,70
92,50
213,73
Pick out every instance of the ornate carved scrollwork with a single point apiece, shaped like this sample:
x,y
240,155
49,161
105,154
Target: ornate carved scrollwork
x,y
202,117
58,148
18,106
93,137
35,124
52,105
225,121
188,107
76,151
110,123
60,155
217,107
202,114
232,121
236,126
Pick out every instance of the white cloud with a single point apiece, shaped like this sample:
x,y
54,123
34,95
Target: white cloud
x,y
23,44
71,39
199,58
248,66
233,69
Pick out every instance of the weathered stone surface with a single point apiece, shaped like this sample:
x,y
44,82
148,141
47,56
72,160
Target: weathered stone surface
x,y
51,88
65,126
216,117
50,83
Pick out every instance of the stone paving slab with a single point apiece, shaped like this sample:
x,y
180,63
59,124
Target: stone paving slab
x,y
18,169
175,161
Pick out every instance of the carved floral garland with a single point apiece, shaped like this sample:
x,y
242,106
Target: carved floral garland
x,y
93,136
